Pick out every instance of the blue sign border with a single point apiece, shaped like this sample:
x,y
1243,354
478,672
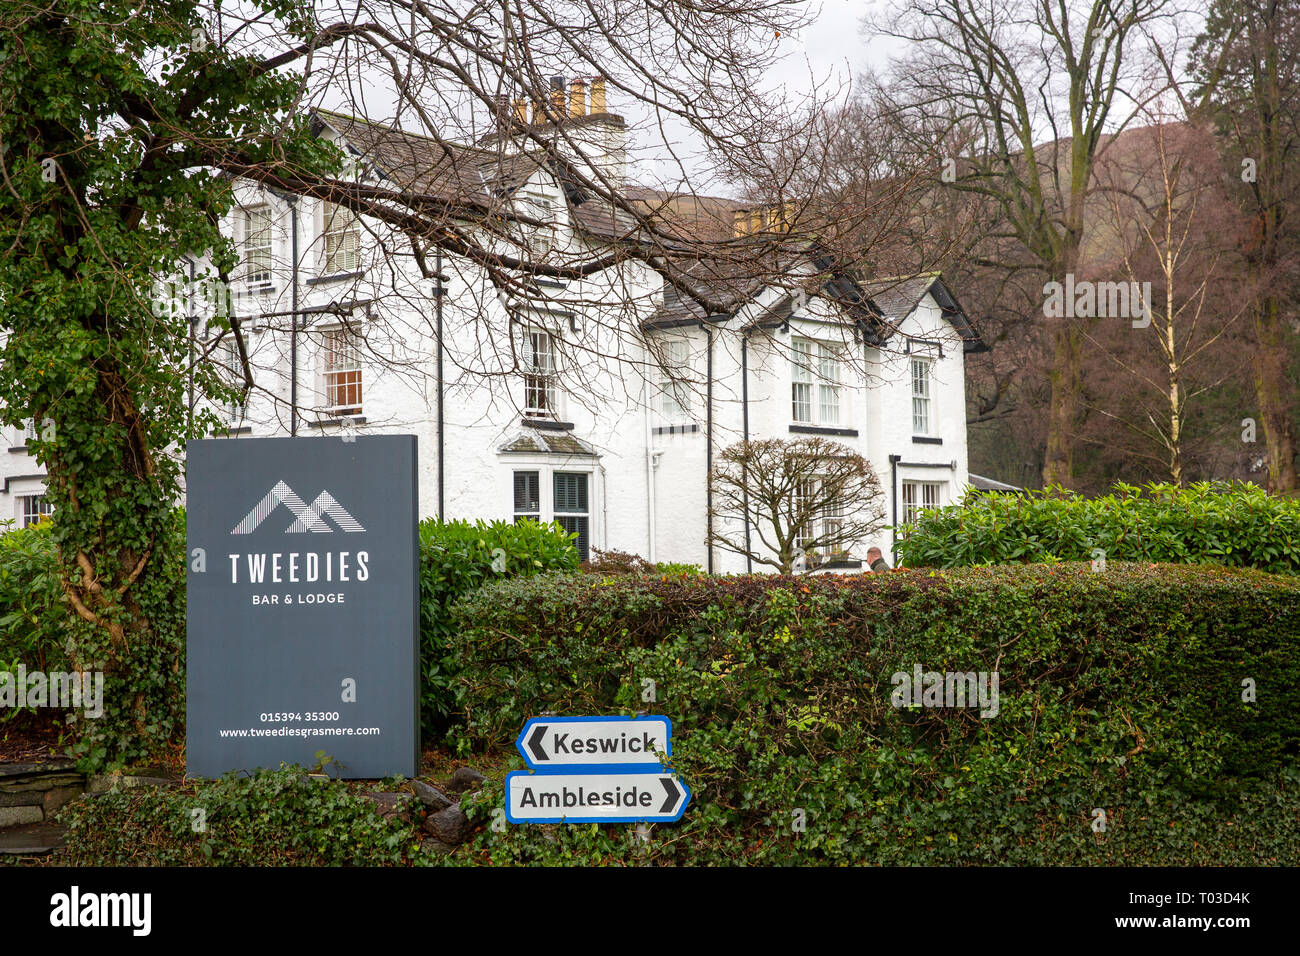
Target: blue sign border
x,y
686,802
643,767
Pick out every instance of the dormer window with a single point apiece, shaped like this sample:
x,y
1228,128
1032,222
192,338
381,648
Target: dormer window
x,y
921,395
342,241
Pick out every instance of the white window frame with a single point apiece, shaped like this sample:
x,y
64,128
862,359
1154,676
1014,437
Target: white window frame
x,y
340,240
258,260
540,378
923,397
832,515
585,515
331,374
235,411
917,496
674,394
541,240
816,374
526,513
32,508
546,514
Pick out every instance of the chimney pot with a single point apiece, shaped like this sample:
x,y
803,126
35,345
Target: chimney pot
x,y
598,95
557,98
577,97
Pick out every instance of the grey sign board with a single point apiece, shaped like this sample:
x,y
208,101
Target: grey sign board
x,y
302,613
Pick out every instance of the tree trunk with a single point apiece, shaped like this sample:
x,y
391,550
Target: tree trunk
x,y
1273,389
1063,414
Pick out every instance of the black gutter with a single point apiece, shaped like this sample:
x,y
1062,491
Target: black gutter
x,y
744,404
437,293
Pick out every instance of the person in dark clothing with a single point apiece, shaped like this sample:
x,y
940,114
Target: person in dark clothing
x,y
876,561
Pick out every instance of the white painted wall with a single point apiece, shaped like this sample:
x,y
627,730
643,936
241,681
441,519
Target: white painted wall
x,y
648,486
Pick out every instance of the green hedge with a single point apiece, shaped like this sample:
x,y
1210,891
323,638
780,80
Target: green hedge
x,y
270,818
1119,690
144,691
1208,523
455,558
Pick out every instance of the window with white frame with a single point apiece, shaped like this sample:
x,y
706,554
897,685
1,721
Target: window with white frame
x,y
232,371
342,232
541,239
806,533
342,371
921,396
34,509
674,392
815,388
528,496
257,246
572,508
827,524
540,394
919,495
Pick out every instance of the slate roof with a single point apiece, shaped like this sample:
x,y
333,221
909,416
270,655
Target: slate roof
x,y
531,441
896,298
449,172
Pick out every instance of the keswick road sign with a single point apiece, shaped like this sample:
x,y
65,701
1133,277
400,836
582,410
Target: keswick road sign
x,y
632,743
595,797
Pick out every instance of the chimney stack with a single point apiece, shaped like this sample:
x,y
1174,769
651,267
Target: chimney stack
x,y
577,97
557,98
598,95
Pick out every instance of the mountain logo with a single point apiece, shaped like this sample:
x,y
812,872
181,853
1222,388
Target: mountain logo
x,y
306,517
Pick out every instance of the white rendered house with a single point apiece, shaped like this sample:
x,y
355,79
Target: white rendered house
x,y
548,407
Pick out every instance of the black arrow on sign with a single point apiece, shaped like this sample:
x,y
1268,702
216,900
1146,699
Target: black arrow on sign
x,y
670,787
535,742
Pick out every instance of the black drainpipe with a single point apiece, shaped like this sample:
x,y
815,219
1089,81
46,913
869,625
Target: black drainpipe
x,y
437,299
708,432
293,323
744,404
193,319
893,485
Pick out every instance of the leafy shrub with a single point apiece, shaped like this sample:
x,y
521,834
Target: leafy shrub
x,y
615,562
1207,523
33,618
1119,690
455,558
144,686
271,818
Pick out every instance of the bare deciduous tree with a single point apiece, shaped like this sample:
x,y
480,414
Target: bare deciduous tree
x,y
786,503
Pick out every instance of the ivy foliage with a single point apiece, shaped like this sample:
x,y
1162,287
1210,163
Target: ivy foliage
x,y
114,119
268,818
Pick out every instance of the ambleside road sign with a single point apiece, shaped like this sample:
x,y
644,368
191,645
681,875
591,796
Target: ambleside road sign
x,y
302,615
632,743
597,796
